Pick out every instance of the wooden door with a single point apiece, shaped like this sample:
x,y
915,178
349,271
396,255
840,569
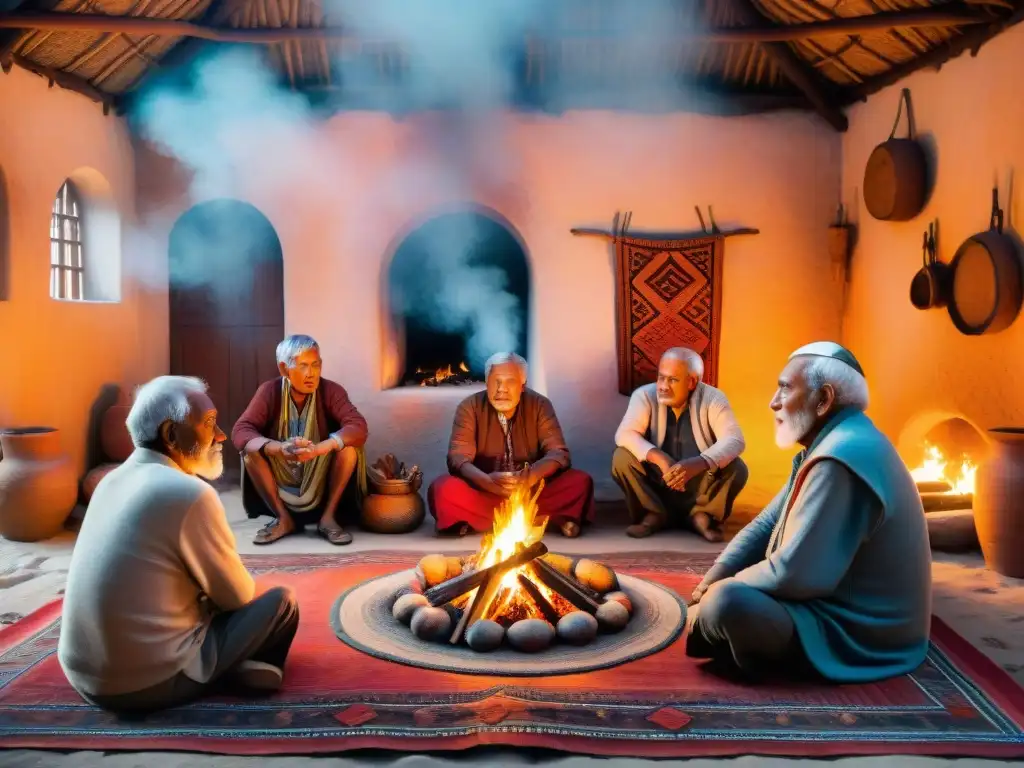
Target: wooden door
x,y
226,306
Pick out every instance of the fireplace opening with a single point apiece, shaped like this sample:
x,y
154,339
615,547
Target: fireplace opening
x,y
459,291
943,459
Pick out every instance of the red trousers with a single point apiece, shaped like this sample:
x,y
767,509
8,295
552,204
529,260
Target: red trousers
x,y
568,495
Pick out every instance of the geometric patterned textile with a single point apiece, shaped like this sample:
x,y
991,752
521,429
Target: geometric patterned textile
x,y
666,705
668,294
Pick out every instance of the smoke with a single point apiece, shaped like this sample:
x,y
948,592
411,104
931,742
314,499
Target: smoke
x,y
242,133
441,277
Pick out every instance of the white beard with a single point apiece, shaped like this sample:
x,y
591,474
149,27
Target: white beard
x,y
793,429
211,466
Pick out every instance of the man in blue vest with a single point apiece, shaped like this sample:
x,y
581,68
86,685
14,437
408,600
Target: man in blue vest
x,y
833,578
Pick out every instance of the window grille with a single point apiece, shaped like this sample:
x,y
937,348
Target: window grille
x,y
66,266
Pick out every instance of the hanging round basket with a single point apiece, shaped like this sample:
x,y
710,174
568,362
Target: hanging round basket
x,y
896,176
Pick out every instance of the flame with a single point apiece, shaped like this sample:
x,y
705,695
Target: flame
x,y
516,526
442,374
935,468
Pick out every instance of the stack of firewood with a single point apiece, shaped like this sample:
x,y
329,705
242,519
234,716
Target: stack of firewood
x,y
388,469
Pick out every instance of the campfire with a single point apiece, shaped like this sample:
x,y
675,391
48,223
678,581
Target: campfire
x,y
944,484
433,377
513,589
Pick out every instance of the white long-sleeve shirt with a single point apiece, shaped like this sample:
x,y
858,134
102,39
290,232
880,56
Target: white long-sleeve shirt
x,y
154,542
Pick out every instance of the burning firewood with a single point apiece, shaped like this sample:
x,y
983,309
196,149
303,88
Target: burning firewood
x,y
565,586
481,603
550,614
460,585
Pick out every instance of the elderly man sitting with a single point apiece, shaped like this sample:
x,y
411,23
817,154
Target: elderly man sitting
x,y
834,576
678,446
301,439
158,607
505,427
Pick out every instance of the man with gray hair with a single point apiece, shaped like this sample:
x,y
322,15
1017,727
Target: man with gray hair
x,y
499,434
834,576
301,440
678,447
159,608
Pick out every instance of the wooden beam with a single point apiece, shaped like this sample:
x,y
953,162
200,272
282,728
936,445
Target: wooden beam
x,y
67,81
971,40
757,31
799,72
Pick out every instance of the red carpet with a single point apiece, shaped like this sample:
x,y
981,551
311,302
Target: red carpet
x,y
337,699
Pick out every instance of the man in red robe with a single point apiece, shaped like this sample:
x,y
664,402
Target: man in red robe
x,y
302,440
499,431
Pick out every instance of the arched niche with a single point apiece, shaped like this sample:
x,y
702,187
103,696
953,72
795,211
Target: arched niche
x,y
457,289
226,294
943,445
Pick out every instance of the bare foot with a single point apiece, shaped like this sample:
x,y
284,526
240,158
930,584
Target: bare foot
x,y
639,531
570,529
703,525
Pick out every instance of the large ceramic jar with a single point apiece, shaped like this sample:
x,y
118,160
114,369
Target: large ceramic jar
x,y
114,438
393,506
999,503
38,484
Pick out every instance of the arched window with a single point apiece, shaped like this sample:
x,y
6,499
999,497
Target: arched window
x,y
67,269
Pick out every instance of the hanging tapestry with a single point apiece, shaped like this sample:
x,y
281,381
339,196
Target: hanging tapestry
x,y
668,294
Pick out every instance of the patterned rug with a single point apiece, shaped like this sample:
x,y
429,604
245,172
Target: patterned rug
x,y
665,705
669,294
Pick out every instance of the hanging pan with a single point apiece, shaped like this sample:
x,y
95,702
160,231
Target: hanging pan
x,y
986,288
896,176
930,287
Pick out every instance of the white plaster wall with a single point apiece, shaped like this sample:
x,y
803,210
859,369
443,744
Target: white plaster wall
x,y
372,177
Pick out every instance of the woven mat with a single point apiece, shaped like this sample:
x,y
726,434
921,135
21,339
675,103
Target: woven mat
x,y
362,619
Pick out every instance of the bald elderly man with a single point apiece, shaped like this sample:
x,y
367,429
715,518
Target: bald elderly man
x,y
678,447
833,578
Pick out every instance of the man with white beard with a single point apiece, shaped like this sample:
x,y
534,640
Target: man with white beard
x,y
833,578
159,607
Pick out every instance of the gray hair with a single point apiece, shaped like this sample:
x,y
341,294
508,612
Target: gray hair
x,y
850,387
500,358
162,399
694,363
293,346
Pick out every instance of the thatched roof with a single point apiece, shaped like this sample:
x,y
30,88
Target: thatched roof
x,y
745,55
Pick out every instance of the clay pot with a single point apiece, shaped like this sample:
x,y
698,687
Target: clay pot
x,y
391,513
998,516
114,438
38,484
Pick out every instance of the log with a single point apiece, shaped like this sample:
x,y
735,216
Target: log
x,y
550,614
934,502
565,586
463,625
447,591
933,486
481,603
757,32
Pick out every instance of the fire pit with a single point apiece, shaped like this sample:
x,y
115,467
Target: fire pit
x,y
511,608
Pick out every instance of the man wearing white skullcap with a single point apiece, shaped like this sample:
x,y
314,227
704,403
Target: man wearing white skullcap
x,y
833,578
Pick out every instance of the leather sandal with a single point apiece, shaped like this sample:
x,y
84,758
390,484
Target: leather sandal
x,y
335,534
270,533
